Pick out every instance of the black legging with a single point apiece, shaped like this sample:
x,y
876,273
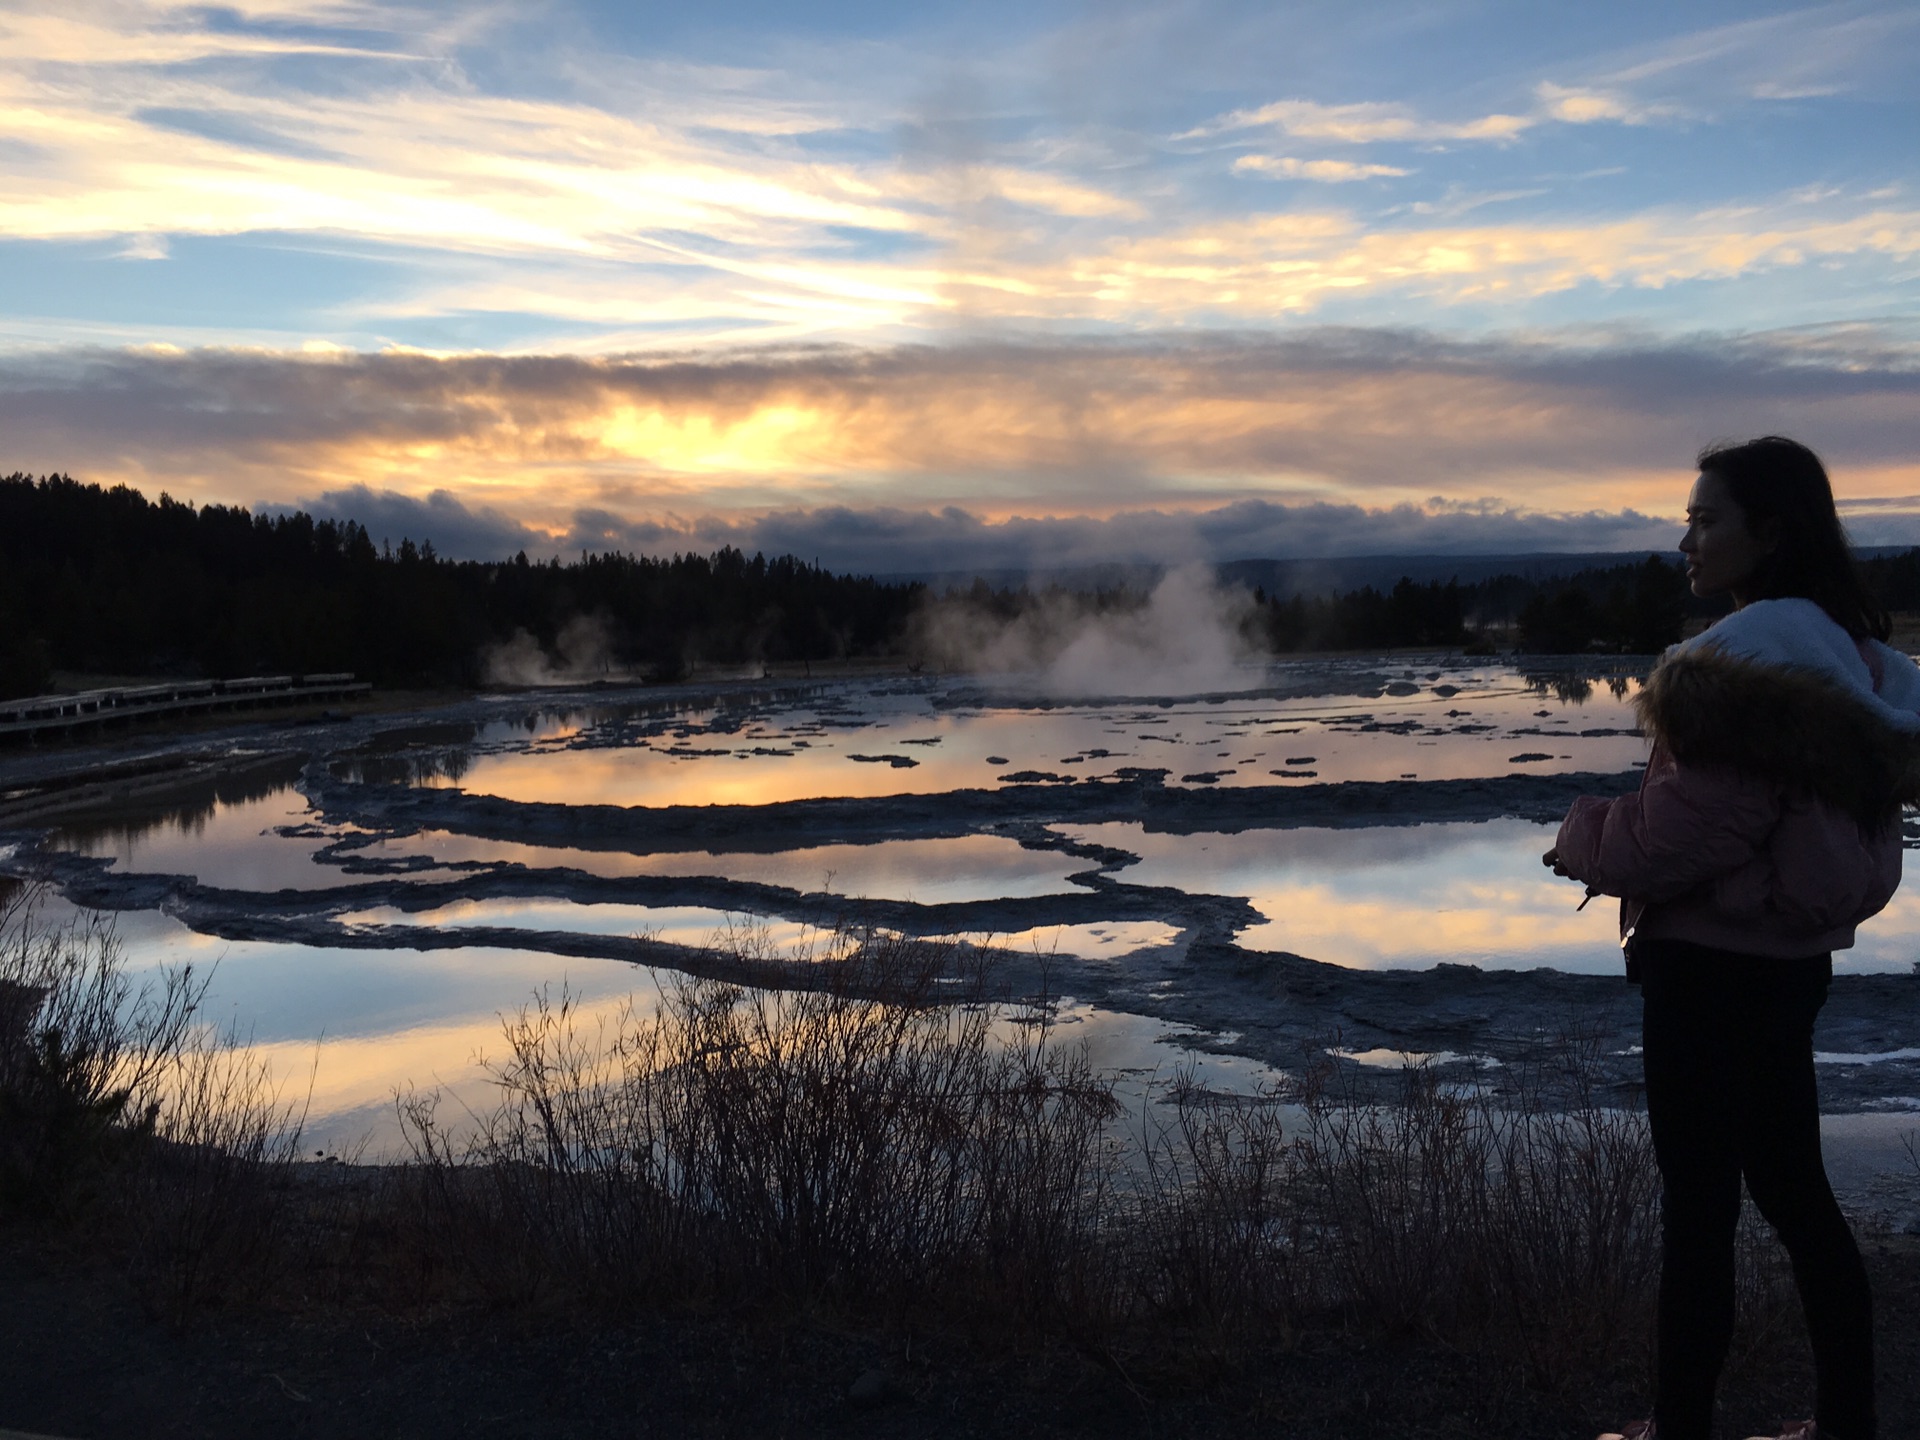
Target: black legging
x,y
1730,1093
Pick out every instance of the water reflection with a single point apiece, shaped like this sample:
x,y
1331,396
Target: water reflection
x,y
356,1028
186,809
1149,1055
696,926
1108,940
1384,1059
264,836
1891,939
928,872
360,1025
1457,721
1404,897
1408,897
702,927
1575,687
236,840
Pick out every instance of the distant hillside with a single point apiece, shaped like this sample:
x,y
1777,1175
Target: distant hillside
x,y
1324,577
1288,578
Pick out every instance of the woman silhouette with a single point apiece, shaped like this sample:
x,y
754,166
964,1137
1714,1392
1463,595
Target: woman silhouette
x,y
1766,827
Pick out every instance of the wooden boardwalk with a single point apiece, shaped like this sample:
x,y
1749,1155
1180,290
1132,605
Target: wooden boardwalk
x,y
41,715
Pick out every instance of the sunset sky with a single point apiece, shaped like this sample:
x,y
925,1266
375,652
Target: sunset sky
x,y
912,287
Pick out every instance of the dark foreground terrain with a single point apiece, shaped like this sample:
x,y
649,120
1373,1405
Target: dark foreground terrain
x,y
79,1358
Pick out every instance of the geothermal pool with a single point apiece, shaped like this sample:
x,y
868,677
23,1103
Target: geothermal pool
x,y
1231,879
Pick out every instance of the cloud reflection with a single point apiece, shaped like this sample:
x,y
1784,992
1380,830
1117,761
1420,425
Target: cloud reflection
x,y
1404,897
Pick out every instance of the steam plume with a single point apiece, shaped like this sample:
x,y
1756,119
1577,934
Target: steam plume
x,y
583,651
1187,637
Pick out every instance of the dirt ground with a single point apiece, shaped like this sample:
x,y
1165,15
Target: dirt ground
x,y
79,1358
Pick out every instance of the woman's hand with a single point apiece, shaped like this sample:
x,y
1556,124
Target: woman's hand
x,y
1552,861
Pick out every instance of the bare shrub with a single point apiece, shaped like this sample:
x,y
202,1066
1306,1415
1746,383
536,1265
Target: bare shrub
x,y
118,1109
1518,1226
202,1211
878,1144
866,1139
873,1145
80,1048
1216,1236
1389,1200
1570,1234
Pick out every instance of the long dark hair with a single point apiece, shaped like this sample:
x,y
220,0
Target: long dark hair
x,y
1782,485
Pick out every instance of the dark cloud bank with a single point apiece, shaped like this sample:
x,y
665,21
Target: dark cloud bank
x,y
952,541
1116,426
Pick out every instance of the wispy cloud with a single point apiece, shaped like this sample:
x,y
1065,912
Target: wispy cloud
x,y
1288,167
1798,54
172,125
1227,271
1383,122
144,247
601,201
1579,105
1811,51
1265,266
467,174
170,33
1363,123
696,183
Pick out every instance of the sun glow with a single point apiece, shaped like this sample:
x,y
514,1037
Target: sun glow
x,y
1081,429
771,436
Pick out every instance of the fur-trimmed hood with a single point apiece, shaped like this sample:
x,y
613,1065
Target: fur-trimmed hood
x,y
1771,695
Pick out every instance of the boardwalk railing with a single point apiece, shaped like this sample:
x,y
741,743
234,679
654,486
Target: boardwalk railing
x,y
60,714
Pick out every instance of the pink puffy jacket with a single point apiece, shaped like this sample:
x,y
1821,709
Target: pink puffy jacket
x,y
1768,819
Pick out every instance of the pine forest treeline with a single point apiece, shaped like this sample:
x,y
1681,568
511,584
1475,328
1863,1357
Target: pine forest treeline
x,y
105,581
1635,608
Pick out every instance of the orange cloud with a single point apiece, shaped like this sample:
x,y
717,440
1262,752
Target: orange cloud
x,y
1268,265
1247,270
1065,428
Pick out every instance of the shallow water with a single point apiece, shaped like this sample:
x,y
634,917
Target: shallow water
x,y
346,1031
1360,721
693,926
1405,897
364,890
930,872
237,845
1109,941
1473,894
278,841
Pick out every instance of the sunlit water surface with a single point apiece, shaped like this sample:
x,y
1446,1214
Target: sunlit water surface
x,y
1366,722
347,1033
276,842
1399,897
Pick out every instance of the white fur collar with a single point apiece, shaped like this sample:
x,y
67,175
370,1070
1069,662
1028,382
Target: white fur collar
x,y
1799,633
